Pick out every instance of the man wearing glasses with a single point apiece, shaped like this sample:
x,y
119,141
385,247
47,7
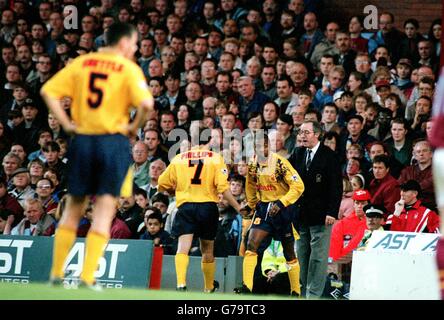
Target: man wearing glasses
x,y
387,35
320,171
42,73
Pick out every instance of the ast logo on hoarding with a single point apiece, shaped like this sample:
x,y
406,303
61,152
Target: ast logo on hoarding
x,y
11,260
106,273
27,259
403,241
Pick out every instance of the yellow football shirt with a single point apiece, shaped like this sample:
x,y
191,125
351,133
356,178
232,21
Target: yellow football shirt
x,y
103,87
275,180
197,175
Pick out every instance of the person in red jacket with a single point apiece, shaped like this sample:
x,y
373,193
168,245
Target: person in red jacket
x,y
410,215
383,188
348,232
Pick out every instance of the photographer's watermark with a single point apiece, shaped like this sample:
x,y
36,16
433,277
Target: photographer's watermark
x,y
71,17
371,18
234,146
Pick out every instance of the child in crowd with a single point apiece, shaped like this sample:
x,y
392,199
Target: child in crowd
x,y
154,231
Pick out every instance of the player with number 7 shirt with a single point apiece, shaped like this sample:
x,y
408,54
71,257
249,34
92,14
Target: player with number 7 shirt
x,y
197,177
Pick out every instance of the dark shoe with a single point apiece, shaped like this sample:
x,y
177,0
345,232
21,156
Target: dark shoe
x,y
183,288
242,290
215,287
295,294
56,282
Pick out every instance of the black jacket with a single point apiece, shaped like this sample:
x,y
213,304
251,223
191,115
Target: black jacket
x,y
323,185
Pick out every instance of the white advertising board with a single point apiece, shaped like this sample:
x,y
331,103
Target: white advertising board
x,y
396,266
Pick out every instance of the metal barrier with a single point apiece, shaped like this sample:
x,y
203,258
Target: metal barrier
x,y
126,263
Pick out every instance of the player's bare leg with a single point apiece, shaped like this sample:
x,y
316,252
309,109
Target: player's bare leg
x,y
98,235
208,265
66,234
438,177
182,259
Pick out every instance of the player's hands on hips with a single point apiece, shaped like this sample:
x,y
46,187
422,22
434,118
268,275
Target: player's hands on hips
x,y
329,220
273,210
244,209
131,130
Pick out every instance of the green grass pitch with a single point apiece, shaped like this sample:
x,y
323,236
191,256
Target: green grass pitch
x,y
42,291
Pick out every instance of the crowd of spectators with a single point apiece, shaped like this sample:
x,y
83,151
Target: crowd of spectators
x,y
229,66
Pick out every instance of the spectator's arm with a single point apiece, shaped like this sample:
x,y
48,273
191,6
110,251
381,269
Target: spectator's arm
x,y
8,225
336,241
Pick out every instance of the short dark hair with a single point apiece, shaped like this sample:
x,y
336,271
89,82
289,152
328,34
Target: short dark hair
x,y
316,112
288,79
172,73
331,135
45,130
412,21
158,79
306,92
140,191
382,158
118,31
156,215
287,119
225,74
160,197
51,146
168,113
237,178
401,121
428,80
255,114
331,105
151,208
347,94
152,130
425,98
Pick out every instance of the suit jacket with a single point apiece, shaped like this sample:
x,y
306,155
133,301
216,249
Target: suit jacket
x,y
323,185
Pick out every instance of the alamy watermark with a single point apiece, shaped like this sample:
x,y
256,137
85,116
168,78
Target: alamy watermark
x,y
371,18
233,145
71,17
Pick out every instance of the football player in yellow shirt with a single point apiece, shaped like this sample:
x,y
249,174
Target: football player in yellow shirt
x,y
197,177
103,86
272,186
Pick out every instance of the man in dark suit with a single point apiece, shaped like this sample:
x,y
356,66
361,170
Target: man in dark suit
x,y
320,171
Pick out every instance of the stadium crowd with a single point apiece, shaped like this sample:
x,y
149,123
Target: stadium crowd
x,y
238,68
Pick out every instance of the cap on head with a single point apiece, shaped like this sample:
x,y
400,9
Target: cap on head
x,y
355,116
374,211
337,95
405,61
29,103
361,195
18,171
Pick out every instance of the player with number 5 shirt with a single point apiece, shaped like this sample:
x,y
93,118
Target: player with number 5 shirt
x,y
103,86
